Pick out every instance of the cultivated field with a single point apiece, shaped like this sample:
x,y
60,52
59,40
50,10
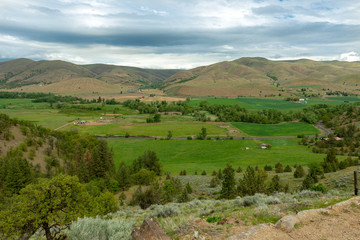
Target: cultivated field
x,y
281,129
209,155
256,104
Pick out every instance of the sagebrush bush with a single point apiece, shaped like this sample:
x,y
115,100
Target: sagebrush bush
x,y
309,193
96,228
164,211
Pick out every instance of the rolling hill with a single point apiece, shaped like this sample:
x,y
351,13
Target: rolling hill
x,y
260,77
23,72
256,77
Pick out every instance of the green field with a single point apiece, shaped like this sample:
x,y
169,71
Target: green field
x,y
209,155
44,115
178,129
281,129
348,98
255,104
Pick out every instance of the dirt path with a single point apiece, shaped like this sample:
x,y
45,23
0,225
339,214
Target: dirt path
x,y
63,126
338,222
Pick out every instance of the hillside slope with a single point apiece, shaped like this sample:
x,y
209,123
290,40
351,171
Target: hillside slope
x,y
259,76
22,72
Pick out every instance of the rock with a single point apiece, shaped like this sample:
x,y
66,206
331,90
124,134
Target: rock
x,y
196,234
287,223
149,230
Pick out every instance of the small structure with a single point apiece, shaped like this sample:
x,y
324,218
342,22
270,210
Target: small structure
x,y
263,146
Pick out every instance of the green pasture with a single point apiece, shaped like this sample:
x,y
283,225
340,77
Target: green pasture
x,y
209,155
178,129
343,99
256,104
281,129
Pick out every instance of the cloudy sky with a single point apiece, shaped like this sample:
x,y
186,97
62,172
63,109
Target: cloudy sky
x,y
179,34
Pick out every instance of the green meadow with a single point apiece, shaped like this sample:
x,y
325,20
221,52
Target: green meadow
x,y
255,104
178,129
281,129
209,155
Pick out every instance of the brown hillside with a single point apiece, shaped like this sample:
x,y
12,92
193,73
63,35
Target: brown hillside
x,y
24,72
259,76
72,87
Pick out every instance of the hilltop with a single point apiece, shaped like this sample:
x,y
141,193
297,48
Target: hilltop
x,y
255,77
260,77
55,76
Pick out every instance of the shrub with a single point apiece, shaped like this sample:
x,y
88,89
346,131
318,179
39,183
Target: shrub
x,y
213,219
203,173
165,210
189,138
299,172
268,168
287,169
279,168
319,188
96,228
143,177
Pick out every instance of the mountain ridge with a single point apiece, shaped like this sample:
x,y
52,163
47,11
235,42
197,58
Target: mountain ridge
x,y
247,76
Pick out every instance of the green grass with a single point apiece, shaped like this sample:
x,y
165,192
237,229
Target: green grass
x,y
178,129
209,155
281,129
349,98
255,104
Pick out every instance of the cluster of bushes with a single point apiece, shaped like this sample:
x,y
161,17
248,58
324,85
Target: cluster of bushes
x,y
163,106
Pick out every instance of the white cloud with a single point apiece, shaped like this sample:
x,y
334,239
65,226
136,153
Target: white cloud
x,y
170,33
350,57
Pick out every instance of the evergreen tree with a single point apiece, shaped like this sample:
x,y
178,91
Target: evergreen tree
x,y
330,163
188,188
184,197
275,185
123,176
228,189
279,168
299,172
148,161
252,182
287,169
220,175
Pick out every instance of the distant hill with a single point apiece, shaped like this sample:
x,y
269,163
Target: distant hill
x,y
257,77
23,72
260,77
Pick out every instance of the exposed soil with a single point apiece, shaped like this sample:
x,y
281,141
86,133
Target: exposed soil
x,y
338,222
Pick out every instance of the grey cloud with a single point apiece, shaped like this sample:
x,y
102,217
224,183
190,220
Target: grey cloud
x,y
269,10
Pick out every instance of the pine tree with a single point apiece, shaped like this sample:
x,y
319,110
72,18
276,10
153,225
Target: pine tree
x,y
299,172
228,189
184,197
279,168
123,177
275,185
330,163
188,188
287,169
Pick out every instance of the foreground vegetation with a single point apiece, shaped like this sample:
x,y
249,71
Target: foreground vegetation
x,y
165,176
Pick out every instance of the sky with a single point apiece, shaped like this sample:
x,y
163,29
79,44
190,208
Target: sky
x,y
178,34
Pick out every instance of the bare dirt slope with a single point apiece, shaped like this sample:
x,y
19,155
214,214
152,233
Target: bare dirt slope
x,y
337,222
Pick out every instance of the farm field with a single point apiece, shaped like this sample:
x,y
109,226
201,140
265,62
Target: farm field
x,y
44,115
209,155
255,104
281,129
347,98
178,129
